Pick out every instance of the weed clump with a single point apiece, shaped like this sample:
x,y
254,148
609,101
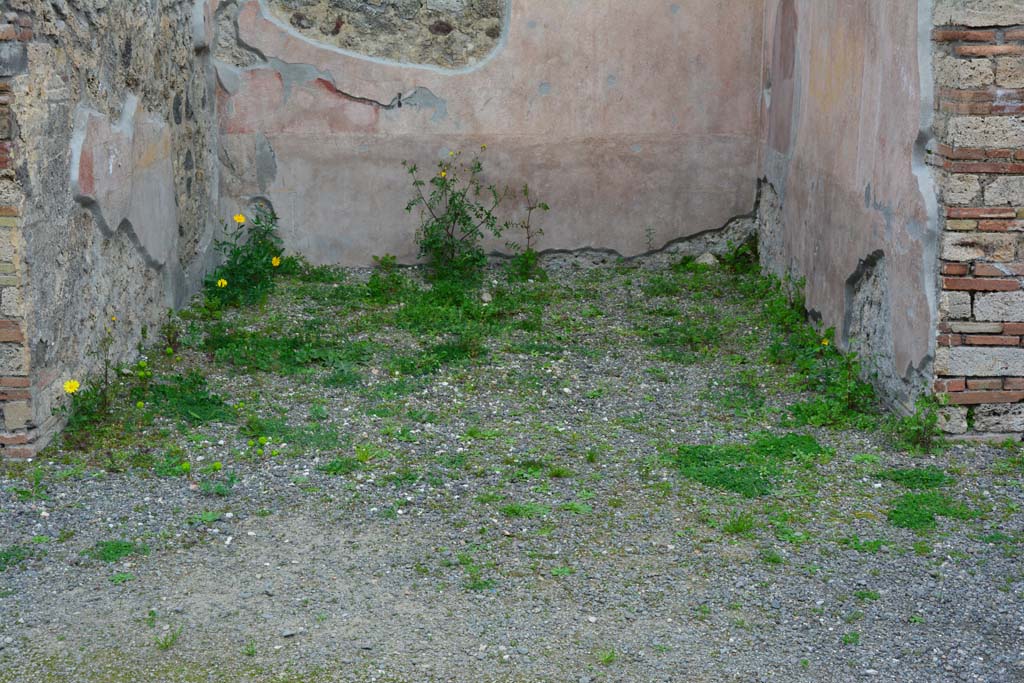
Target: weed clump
x,y
115,551
917,511
252,252
746,469
929,477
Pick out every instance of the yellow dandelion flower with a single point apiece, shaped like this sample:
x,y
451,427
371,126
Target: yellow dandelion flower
x,y
239,218
276,261
824,342
451,154
113,318
444,174
222,283
483,147
71,386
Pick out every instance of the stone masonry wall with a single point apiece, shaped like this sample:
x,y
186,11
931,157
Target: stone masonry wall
x,y
107,189
979,71
445,33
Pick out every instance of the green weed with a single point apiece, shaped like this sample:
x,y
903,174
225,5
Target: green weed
x,y
917,511
115,551
742,468
929,477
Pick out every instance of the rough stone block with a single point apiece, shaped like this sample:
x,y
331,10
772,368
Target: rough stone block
x,y
999,417
1008,190
454,6
964,73
972,246
953,419
955,305
979,361
13,359
17,414
999,306
1010,72
6,245
977,13
960,189
996,132
11,302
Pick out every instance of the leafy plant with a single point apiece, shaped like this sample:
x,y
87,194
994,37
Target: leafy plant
x,y
456,213
524,264
250,251
168,640
920,432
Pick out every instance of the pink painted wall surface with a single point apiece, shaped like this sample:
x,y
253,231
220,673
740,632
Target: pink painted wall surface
x,y
843,112
624,117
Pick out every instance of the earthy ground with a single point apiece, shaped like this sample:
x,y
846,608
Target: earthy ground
x,y
505,490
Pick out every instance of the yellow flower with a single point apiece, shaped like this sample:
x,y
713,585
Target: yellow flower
x,y
483,147
444,174
239,218
113,318
824,342
276,261
222,283
71,386
451,154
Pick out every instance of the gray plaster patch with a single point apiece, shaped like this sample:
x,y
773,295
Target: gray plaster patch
x,y
266,163
423,98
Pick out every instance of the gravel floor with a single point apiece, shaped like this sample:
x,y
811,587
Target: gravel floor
x,y
510,519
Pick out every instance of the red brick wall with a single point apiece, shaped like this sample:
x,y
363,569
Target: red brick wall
x,y
979,100
17,433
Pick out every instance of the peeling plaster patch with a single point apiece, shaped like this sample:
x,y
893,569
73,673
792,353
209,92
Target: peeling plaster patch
x,y
423,98
611,81
674,8
124,173
298,74
303,74
544,88
266,163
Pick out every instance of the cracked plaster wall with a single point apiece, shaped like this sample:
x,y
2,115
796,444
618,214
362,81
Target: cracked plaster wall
x,y
850,205
635,121
116,171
